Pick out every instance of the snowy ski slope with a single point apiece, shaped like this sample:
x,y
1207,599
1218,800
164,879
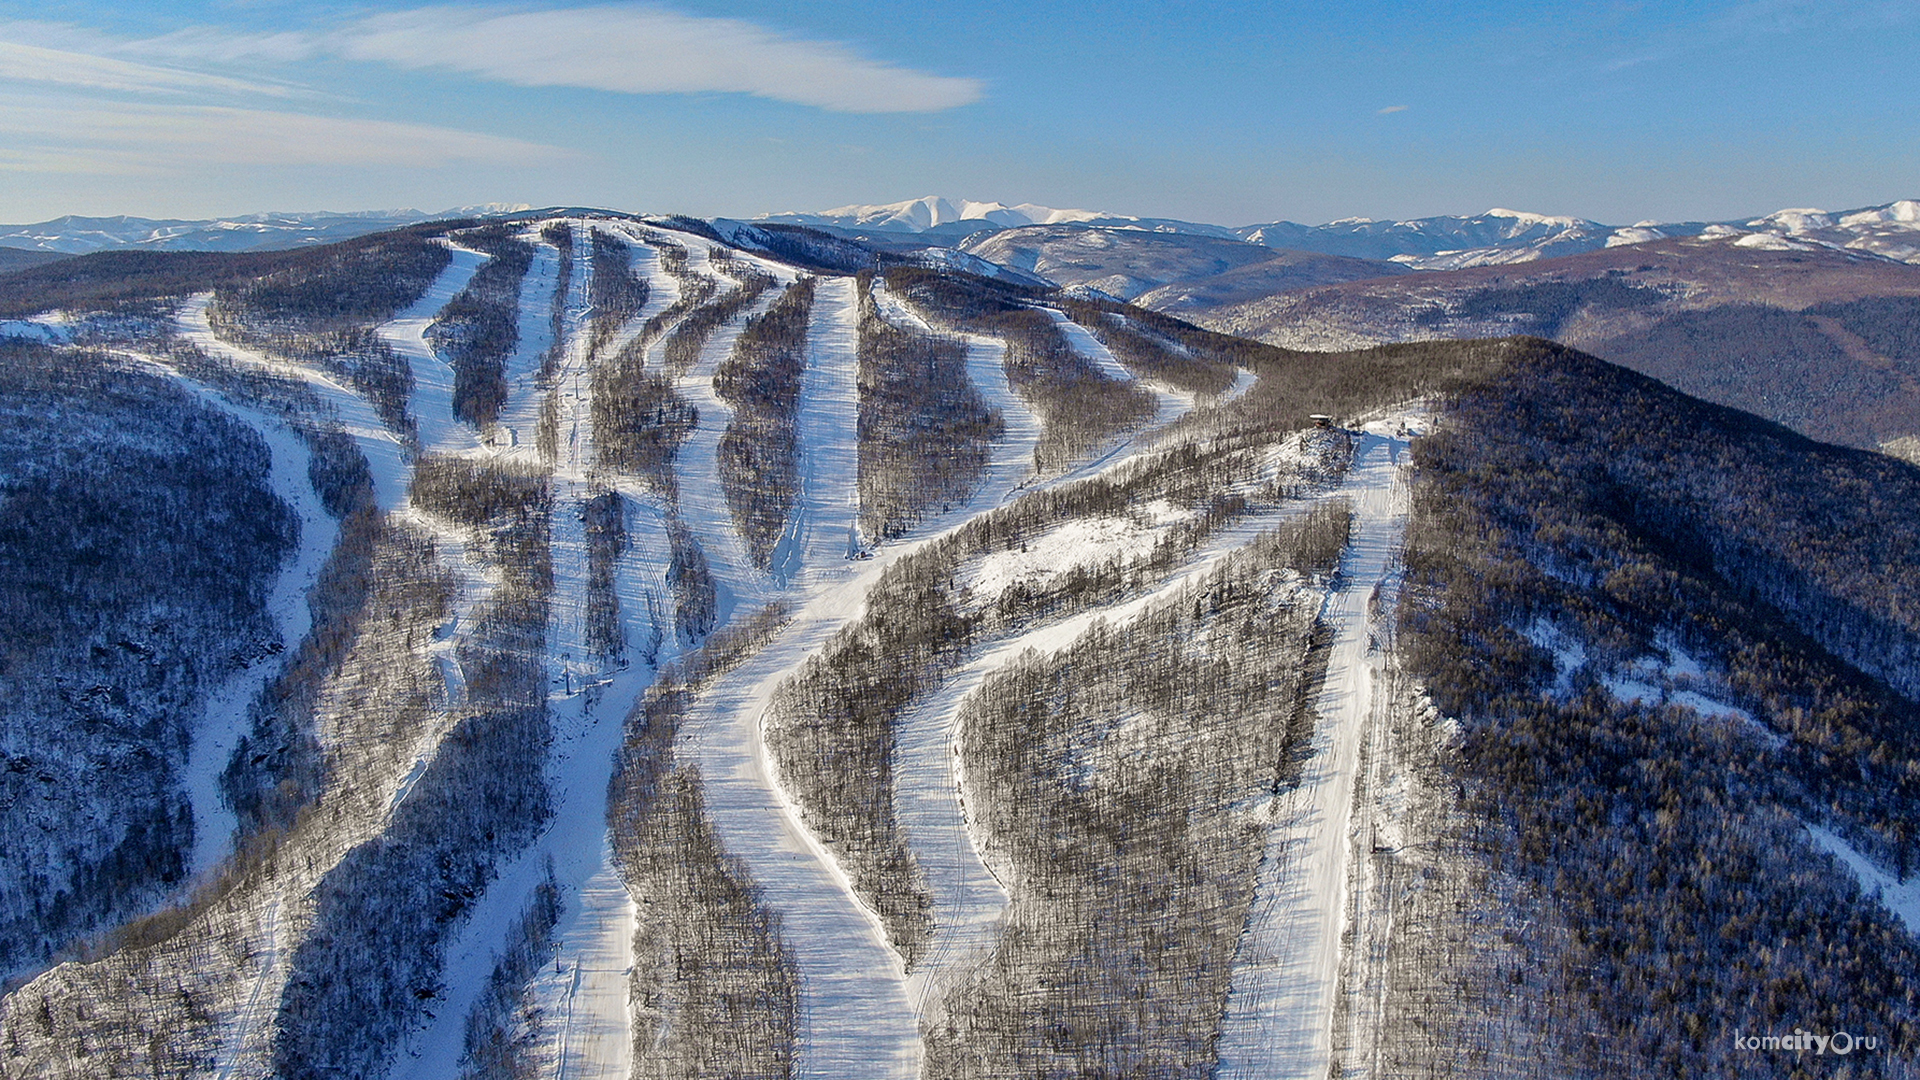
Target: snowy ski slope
x,y
861,1011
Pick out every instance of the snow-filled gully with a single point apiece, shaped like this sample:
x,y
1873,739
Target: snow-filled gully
x,y
1280,1009
227,717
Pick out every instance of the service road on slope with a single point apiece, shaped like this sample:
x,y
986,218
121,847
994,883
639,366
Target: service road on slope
x,y
1280,1008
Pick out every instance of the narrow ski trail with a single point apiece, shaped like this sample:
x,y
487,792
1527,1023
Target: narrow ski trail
x,y
228,714
1011,459
1280,1008
431,404
519,420
739,586
969,895
824,529
1170,404
856,1022
381,445
583,992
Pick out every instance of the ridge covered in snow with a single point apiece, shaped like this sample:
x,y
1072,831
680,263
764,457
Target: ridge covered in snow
x,y
76,235
1446,242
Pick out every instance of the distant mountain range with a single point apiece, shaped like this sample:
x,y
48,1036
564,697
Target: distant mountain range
x,y
1448,242
74,235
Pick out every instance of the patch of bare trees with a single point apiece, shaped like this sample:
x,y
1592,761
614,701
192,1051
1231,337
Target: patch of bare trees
x,y
759,452
714,989
925,432
1116,785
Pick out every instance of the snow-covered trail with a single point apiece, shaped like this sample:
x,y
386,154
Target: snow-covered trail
x,y
1169,404
386,457
1011,459
861,1012
856,1020
227,718
1901,897
738,584
520,416
930,786
431,404
855,1017
1280,1009
583,994
823,530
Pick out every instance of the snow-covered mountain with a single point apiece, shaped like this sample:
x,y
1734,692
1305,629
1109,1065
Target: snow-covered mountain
x,y
600,646
941,219
74,235
1440,243
919,215
1447,242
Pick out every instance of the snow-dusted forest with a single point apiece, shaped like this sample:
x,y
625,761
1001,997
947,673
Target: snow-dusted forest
x,y
576,645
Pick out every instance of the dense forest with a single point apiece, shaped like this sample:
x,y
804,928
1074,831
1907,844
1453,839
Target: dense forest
x,y
134,567
1668,631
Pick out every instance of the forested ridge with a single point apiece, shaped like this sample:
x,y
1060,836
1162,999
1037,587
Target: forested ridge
x,y
1673,635
884,670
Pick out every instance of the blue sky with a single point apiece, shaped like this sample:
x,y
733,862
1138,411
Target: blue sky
x,y
1225,112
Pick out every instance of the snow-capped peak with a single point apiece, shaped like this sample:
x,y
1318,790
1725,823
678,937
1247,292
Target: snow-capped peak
x,y
1794,220
1524,217
1905,212
932,211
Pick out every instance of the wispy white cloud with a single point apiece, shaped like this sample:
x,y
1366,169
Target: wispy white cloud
x,y
1393,109
647,50
625,48
54,133
33,63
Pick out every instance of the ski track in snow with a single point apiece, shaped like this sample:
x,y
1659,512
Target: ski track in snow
x,y
228,711
583,993
1900,897
519,418
824,528
739,586
386,457
1011,459
1169,404
969,896
431,404
856,1020
1279,1014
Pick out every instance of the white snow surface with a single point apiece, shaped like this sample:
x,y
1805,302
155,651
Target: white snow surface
x,y
1010,460
919,215
583,993
519,421
1280,1007
431,404
825,527
930,784
227,718
380,445
52,329
855,1014
1902,898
